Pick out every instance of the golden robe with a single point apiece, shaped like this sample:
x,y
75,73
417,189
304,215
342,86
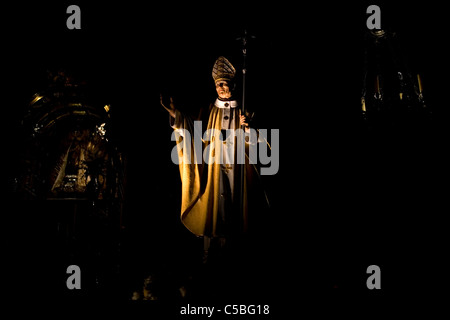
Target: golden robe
x,y
210,204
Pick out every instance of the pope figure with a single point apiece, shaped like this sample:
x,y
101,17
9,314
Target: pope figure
x,y
211,205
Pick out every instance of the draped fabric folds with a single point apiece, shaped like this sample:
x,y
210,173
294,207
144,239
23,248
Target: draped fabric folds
x,y
210,204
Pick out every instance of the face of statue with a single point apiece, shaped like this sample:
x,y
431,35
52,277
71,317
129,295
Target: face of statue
x,y
223,89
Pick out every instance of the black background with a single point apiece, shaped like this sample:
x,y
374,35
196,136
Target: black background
x,y
341,201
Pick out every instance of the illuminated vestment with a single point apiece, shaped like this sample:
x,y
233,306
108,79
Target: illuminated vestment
x,y
211,190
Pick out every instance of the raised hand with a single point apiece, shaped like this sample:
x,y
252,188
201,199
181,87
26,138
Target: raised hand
x,y
171,108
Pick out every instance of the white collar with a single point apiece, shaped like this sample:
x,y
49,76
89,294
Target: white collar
x,y
226,104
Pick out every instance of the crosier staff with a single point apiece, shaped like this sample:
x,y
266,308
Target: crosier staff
x,y
244,40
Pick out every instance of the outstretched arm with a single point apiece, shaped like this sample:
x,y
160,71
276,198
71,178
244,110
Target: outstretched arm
x,y
171,109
